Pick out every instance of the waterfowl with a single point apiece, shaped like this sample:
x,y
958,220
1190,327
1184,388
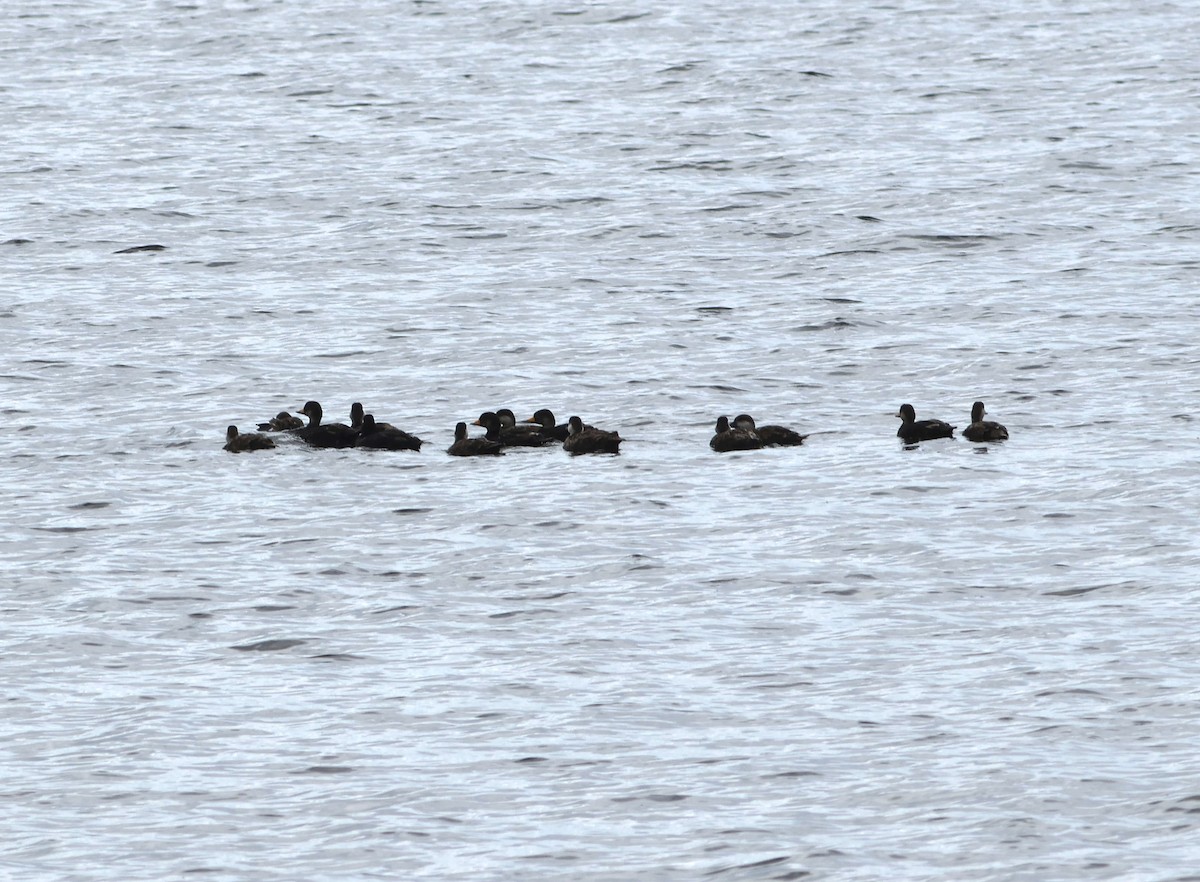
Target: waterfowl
x,y
237,443
545,419
382,436
316,434
510,427
464,446
981,429
281,422
913,430
586,439
357,414
771,436
730,438
512,436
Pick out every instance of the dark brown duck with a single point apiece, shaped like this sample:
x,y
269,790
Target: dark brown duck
x,y
236,442
464,446
730,438
983,430
586,439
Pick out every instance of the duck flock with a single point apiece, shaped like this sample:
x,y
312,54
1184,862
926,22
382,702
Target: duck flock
x,y
502,430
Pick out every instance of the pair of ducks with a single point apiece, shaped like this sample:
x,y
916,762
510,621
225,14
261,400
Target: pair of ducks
x,y
743,434
540,430
913,431
363,431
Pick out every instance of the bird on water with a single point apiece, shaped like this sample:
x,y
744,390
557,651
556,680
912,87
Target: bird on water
x,y
239,443
587,439
281,422
913,430
464,446
318,434
512,436
981,429
545,419
771,436
384,436
730,438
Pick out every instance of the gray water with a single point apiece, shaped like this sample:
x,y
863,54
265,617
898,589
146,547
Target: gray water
x,y
841,661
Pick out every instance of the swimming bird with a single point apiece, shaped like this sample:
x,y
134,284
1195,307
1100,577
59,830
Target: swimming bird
x,y
316,434
981,429
464,446
913,430
587,439
510,426
730,438
545,419
238,443
281,422
512,436
356,418
382,436
771,436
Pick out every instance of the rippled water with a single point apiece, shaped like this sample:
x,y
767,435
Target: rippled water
x,y
842,661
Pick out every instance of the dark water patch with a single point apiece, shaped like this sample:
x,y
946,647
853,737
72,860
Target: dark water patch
x,y
1074,592
332,355
66,529
715,165
848,252
794,684
554,596
325,770
868,218
88,506
798,773
652,797
19,242
404,607
217,264
271,607
200,615
337,656
953,239
175,598
411,511
1078,690
135,249
832,324
520,612
269,645
766,862
531,759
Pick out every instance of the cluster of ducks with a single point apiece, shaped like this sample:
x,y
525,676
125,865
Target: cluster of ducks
x,y
501,430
